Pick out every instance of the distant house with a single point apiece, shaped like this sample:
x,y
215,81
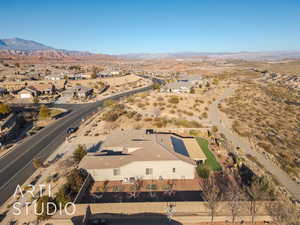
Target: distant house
x,y
137,154
83,92
79,76
37,90
27,93
177,87
43,88
195,80
55,77
104,75
78,91
115,72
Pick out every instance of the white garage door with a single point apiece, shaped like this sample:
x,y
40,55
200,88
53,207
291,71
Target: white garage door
x,y
25,95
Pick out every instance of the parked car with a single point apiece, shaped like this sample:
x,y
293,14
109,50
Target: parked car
x,y
72,130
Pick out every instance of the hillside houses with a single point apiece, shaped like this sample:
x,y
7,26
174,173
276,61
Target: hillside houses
x,y
183,84
177,87
77,91
37,90
291,81
195,80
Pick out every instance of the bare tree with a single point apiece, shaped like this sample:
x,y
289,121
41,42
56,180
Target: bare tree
x,y
135,189
170,191
283,212
211,193
258,189
234,194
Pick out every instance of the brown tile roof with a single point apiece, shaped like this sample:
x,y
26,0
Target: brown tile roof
x,y
124,147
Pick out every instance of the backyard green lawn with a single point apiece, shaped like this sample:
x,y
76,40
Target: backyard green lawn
x,y
211,159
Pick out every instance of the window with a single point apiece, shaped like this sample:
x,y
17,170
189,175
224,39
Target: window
x,y
149,171
117,172
174,170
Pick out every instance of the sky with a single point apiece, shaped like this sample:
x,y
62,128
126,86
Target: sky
x,y
155,26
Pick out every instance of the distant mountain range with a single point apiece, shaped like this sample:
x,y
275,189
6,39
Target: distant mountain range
x,y
259,56
21,47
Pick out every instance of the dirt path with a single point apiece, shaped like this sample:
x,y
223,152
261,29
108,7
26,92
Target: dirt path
x,y
214,115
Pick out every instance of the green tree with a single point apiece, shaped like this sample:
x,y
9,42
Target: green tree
x,y
94,75
36,100
37,163
62,196
79,153
4,109
215,81
75,179
203,171
214,129
156,86
44,112
41,208
192,91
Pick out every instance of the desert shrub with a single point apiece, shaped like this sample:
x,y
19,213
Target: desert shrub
x,y
109,102
156,86
194,133
131,114
267,147
37,163
174,100
79,153
152,187
203,171
189,113
44,112
110,116
141,105
214,129
161,122
186,123
4,109
131,99
160,99
113,114
204,115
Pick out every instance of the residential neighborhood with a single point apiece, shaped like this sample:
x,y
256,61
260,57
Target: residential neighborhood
x,y
149,112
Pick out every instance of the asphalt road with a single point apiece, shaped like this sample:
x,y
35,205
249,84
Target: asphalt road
x,y
16,166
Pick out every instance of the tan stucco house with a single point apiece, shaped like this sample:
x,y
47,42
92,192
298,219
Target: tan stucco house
x,y
128,155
